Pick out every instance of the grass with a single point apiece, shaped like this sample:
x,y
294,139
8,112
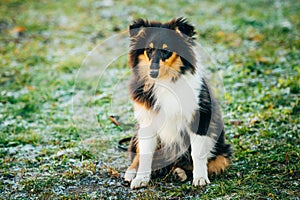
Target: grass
x,y
54,146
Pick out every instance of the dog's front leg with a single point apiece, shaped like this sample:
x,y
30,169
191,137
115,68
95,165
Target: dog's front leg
x,y
201,147
146,143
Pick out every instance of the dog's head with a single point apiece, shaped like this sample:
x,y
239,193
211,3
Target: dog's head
x,y
161,50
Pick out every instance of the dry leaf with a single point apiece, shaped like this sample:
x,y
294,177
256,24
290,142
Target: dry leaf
x,y
113,173
253,121
262,59
256,38
30,88
236,122
17,30
114,120
220,34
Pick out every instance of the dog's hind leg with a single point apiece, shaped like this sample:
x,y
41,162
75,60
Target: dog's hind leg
x,y
217,165
180,174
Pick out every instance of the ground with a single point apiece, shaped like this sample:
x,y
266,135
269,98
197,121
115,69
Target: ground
x,y
56,139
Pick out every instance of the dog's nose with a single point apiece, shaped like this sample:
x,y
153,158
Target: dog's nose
x,y
154,73
154,70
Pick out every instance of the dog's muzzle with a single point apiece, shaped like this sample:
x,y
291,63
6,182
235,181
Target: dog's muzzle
x,y
154,70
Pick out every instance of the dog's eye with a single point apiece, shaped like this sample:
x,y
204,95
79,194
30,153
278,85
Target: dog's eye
x,y
149,52
165,54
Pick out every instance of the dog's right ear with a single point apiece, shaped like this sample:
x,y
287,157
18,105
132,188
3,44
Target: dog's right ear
x,y
137,26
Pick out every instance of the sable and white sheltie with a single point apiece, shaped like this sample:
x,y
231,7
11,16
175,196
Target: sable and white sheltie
x,y
180,127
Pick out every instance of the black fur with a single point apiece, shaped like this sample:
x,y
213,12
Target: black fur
x,y
221,148
202,118
180,23
142,95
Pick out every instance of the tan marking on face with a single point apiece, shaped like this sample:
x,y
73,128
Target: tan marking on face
x,y
164,46
170,69
217,165
145,54
144,65
151,45
171,60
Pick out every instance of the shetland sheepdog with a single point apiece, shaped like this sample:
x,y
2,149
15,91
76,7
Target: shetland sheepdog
x,y
180,127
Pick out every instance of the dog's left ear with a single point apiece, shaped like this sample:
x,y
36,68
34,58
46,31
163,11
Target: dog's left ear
x,y
136,27
182,26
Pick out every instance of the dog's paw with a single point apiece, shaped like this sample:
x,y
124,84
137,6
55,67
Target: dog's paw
x,y
129,175
201,181
180,173
139,182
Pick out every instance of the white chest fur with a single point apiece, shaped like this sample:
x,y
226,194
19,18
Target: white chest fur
x,y
177,102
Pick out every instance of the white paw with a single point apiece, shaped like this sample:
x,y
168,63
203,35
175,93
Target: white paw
x,y
180,173
201,181
129,175
139,182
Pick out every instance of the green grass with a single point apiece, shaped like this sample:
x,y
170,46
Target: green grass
x,y
55,147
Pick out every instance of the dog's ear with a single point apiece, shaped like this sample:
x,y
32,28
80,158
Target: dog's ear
x,y
136,27
181,26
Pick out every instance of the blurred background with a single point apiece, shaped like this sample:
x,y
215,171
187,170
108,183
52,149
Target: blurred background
x,y
47,48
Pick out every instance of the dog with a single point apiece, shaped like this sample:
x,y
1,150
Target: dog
x,y
180,127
